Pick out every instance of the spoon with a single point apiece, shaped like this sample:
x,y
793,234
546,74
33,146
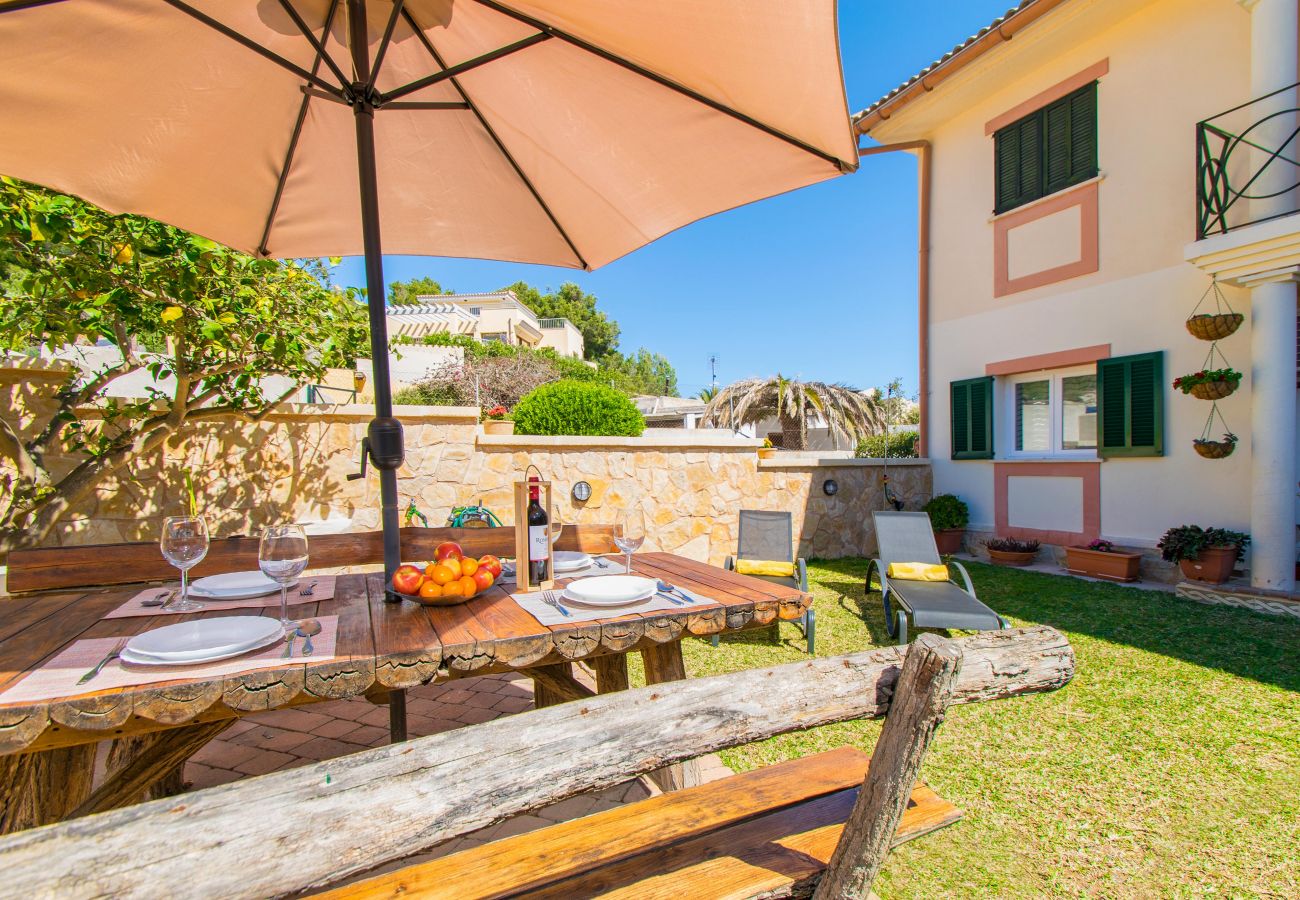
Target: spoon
x,y
672,593
307,628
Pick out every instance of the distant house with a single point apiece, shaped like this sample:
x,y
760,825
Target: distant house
x,y
1079,190
496,316
669,412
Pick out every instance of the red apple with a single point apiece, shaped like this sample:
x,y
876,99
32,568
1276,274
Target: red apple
x,y
483,579
448,549
491,563
407,580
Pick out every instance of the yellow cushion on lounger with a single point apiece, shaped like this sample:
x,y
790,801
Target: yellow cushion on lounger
x,y
918,572
764,567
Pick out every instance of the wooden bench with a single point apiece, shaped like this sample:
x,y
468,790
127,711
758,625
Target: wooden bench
x,y
57,568
785,831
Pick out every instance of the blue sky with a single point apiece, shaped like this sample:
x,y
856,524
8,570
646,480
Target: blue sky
x,y
819,283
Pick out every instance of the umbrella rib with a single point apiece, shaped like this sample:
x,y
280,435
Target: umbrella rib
x,y
461,68
319,45
398,6
293,139
500,145
254,46
16,5
682,89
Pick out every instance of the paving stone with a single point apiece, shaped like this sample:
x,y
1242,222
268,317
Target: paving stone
x,y
325,748
293,719
199,776
263,762
336,728
223,754
508,704
482,700
475,716
369,735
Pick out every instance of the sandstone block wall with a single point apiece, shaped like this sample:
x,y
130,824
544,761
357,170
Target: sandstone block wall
x,y
294,464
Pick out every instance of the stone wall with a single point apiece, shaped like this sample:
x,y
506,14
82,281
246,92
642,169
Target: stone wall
x,y
294,465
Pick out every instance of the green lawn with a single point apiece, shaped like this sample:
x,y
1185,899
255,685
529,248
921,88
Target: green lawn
x,y
1169,767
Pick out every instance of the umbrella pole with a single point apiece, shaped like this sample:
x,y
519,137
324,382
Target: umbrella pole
x,y
385,434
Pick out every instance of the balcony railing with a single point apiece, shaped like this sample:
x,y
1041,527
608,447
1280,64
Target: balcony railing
x,y
1240,155
551,323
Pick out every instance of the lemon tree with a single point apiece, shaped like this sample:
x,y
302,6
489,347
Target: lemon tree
x,y
209,324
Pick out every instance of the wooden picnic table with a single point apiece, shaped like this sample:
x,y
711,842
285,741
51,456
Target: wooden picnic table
x,y
47,749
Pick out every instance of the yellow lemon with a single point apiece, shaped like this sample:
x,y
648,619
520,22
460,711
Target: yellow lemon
x,y
171,314
123,253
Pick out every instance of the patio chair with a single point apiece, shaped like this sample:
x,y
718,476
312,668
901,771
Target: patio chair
x,y
907,537
769,535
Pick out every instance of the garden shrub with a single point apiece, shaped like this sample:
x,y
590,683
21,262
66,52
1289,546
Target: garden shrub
x,y
947,511
577,407
901,445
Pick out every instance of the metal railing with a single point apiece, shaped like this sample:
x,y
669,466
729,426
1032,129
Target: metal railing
x,y
314,394
551,323
1227,174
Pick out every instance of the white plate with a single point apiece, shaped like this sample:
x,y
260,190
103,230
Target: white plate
x,y
205,639
571,560
137,659
610,590
235,586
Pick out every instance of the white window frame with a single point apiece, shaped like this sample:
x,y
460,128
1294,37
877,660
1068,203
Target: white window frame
x,y
1055,379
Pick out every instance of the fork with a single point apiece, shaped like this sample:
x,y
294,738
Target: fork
x,y
309,589
108,657
550,599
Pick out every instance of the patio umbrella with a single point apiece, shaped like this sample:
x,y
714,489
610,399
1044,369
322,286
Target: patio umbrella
x,y
564,132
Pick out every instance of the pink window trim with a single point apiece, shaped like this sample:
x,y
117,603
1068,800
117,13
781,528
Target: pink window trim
x,y
1078,356
1089,260
1087,470
1042,98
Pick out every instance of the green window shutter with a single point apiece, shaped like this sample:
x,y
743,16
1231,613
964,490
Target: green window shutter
x,y
1046,151
1130,396
1070,125
1017,152
972,418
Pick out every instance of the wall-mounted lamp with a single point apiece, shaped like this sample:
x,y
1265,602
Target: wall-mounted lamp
x,y
581,491
830,487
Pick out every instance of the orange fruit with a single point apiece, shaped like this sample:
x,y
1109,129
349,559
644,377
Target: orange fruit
x,y
452,589
454,565
428,570
430,589
468,566
467,586
441,575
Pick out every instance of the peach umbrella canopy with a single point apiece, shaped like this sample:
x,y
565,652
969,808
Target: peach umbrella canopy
x,y
565,132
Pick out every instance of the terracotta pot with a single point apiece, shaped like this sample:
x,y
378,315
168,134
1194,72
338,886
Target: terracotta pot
x,y
949,540
498,426
1010,558
1111,566
1213,565
766,452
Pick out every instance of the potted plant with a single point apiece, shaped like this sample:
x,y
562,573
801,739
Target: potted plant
x,y
1216,449
1011,552
1100,559
497,421
767,451
949,516
1204,554
1209,384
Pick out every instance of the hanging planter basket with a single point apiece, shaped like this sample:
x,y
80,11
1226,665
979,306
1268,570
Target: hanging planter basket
x,y
1214,326
1214,449
1213,390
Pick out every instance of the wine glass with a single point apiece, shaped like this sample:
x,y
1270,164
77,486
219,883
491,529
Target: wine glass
x,y
282,556
557,525
184,543
629,532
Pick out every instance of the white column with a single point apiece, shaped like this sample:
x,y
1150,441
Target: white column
x,y
1274,63
1273,433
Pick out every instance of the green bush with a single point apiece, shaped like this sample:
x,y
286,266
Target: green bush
x,y
577,407
426,394
901,445
947,511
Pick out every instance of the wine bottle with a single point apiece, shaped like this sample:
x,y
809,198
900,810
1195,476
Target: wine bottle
x,y
538,537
